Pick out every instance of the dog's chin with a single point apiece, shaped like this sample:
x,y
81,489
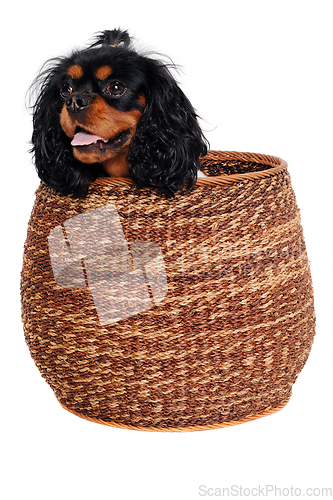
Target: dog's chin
x,y
99,151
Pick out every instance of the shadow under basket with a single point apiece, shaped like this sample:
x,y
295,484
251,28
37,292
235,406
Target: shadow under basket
x,y
171,313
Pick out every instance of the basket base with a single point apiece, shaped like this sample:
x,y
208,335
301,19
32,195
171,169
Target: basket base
x,y
193,428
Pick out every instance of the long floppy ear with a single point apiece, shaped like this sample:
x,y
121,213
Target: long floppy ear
x,y
168,143
51,148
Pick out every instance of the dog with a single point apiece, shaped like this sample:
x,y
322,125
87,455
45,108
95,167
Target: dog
x,y
108,110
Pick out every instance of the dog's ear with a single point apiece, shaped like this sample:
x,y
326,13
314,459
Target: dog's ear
x,y
51,148
168,143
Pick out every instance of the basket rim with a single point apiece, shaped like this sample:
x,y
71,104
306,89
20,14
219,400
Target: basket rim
x,y
275,164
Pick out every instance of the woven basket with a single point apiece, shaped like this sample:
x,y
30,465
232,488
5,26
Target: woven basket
x,y
153,312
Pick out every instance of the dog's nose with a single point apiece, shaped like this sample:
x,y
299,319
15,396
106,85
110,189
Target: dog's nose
x,y
77,103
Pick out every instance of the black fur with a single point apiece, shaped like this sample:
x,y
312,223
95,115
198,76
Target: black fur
x,y
168,143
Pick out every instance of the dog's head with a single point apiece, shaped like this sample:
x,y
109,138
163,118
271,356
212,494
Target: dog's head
x,y
108,110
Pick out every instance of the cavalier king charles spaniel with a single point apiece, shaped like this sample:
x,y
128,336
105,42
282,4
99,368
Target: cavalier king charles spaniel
x,y
110,111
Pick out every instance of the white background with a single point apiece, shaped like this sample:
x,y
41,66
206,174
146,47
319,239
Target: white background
x,y
260,75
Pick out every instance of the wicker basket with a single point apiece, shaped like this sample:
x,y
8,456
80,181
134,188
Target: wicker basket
x,y
153,312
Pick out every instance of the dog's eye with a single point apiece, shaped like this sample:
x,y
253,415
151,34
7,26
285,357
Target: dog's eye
x,y
66,90
116,89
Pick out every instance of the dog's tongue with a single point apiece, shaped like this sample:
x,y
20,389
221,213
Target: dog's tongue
x,y
84,139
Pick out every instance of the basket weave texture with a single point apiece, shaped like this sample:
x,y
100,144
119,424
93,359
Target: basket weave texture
x,y
226,319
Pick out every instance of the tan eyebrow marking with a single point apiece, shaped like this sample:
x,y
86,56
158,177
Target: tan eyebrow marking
x,y
103,72
75,72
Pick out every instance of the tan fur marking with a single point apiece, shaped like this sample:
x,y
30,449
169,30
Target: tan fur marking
x,y
75,72
142,100
103,72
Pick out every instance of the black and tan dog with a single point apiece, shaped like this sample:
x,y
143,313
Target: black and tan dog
x,y
110,111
